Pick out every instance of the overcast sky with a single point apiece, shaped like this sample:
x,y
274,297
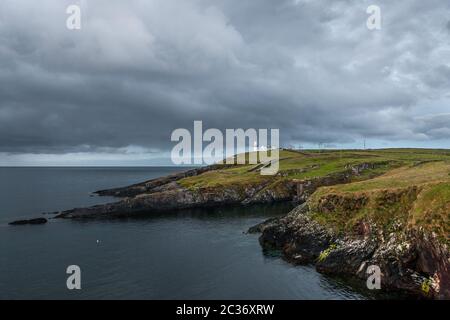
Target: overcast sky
x,y
112,92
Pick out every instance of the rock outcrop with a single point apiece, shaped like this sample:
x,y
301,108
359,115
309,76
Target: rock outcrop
x,y
29,221
154,184
412,261
167,193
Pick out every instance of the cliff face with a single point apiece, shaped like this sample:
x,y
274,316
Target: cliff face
x,y
300,174
391,222
414,262
173,192
174,196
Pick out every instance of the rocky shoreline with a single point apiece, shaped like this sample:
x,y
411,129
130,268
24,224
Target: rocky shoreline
x,y
166,193
412,262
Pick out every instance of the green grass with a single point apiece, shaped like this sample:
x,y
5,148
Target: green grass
x,y
222,178
325,253
407,187
309,164
414,196
432,209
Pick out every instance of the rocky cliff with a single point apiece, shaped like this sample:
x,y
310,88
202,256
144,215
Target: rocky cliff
x,y
384,208
172,192
397,222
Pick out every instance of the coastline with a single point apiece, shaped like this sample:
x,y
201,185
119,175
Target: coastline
x,y
412,260
406,260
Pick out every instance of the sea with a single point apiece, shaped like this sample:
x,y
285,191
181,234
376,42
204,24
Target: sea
x,y
189,254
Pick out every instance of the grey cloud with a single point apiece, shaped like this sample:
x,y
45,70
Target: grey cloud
x,y
434,126
140,69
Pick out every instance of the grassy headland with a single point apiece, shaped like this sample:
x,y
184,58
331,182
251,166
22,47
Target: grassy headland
x,y
388,208
408,186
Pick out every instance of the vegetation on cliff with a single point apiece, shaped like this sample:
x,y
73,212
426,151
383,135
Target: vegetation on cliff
x,y
413,196
343,165
309,164
392,212
358,208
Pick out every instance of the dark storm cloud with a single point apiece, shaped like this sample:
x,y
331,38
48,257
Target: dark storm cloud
x,y
137,70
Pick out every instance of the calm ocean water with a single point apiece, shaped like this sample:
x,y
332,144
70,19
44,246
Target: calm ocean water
x,y
196,254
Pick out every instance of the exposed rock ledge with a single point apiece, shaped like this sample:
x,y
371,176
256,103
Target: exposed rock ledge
x,y
29,221
152,185
166,193
412,261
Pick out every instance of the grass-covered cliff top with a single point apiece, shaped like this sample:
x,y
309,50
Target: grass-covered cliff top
x,y
412,196
401,187
309,164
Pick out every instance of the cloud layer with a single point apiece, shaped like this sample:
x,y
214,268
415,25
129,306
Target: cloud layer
x,y
139,69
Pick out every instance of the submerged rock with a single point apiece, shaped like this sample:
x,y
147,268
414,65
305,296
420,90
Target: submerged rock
x,y
30,221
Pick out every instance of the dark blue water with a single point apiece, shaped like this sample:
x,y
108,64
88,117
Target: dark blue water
x,y
197,254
